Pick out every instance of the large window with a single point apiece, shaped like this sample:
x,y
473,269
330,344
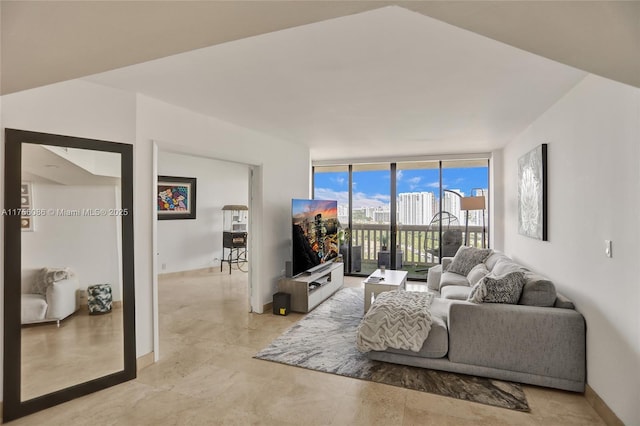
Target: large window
x,y
407,215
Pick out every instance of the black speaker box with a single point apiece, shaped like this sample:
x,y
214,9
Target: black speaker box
x,y
281,303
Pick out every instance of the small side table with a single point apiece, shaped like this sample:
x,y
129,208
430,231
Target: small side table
x,y
391,280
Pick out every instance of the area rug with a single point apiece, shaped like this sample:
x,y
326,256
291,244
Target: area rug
x,y
324,340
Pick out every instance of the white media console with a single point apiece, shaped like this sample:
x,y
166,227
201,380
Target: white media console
x,y
303,297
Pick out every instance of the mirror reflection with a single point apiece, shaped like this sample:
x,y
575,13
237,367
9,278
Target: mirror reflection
x,y
72,322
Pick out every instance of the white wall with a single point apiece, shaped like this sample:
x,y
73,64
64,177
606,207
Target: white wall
x,y
86,244
176,129
197,243
593,137
83,109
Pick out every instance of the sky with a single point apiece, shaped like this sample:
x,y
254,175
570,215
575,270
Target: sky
x,y
372,188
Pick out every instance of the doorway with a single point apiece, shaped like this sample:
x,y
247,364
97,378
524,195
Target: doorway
x,y
192,249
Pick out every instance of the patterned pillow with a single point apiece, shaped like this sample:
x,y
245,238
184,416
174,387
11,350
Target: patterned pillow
x,y
466,258
48,276
504,289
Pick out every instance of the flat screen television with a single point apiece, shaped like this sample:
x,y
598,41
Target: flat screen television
x,y
314,234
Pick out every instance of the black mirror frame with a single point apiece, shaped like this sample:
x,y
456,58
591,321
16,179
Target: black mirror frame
x,y
13,407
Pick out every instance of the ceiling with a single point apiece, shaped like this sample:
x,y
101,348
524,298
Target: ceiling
x,y
47,164
349,79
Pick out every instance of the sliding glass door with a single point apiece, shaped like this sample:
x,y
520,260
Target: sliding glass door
x,y
418,230
407,215
371,216
467,183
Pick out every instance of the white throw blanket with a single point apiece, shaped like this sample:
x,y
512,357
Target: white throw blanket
x,y
397,319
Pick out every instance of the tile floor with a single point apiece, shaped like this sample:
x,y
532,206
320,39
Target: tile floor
x,y
207,376
83,347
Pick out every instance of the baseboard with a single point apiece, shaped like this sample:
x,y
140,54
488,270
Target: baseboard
x,y
189,273
144,361
267,307
601,407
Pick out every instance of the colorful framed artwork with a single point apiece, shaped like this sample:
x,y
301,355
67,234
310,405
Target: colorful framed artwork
x,y
26,204
532,193
176,198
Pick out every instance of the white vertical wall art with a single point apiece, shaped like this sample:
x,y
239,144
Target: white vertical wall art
x,y
532,193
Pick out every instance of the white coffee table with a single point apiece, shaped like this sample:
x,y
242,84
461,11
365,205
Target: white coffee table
x,y
391,280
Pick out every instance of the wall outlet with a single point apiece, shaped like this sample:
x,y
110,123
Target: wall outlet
x,y
164,266
608,248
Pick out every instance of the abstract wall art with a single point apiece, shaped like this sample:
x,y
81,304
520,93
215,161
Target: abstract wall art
x,y
176,197
532,193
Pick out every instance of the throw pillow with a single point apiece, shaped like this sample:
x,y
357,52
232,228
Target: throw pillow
x,y
537,291
47,276
477,273
466,258
504,289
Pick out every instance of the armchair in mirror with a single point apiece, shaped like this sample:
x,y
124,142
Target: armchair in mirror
x,y
69,279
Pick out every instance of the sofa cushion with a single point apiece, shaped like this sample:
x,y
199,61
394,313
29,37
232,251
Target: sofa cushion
x,y
537,291
493,258
498,289
455,292
437,343
477,273
505,266
34,308
466,258
451,278
433,277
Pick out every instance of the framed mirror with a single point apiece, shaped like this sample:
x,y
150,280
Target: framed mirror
x,y
69,308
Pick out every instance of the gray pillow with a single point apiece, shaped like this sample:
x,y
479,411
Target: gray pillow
x,y
47,276
537,291
503,289
494,258
477,273
466,258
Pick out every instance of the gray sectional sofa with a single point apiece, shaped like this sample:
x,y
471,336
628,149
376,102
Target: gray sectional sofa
x,y
540,340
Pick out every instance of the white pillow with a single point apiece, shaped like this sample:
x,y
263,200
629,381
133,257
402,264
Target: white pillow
x,y
477,273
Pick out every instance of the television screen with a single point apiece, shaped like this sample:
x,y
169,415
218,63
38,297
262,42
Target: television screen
x,y
314,233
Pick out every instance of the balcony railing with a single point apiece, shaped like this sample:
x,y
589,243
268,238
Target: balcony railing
x,y
418,244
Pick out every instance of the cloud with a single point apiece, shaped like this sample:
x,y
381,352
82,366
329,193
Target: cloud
x,y
329,194
399,175
414,182
360,199
339,180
